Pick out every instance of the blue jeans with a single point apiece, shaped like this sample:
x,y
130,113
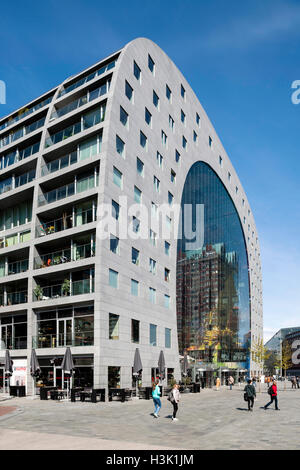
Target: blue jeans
x,y
157,404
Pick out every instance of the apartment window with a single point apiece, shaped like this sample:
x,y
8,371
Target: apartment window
x,y
152,266
167,275
137,195
182,117
143,140
159,159
167,337
197,119
243,202
152,237
168,93
120,146
151,64
229,176
128,91
113,278
244,219
236,189
115,210
139,166
135,331
220,161
210,141
173,176
114,244
177,156
167,301
171,123
123,117
113,326
152,295
148,117
156,184
154,210
136,71
153,332
135,224
170,198
134,287
155,100
164,138
117,177
195,137
135,256
182,91
167,248
184,142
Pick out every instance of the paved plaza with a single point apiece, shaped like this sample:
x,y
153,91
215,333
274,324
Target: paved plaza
x,y
207,420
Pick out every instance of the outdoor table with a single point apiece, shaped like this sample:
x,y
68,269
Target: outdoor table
x,y
17,391
117,392
98,392
75,392
44,392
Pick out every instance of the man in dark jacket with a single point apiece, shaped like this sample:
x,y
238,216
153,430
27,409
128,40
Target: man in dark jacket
x,y
250,393
273,395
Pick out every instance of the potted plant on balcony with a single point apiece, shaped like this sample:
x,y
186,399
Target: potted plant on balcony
x,y
38,292
66,287
57,260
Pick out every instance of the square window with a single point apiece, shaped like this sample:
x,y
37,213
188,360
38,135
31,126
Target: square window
x,y
154,210
135,256
143,140
128,91
135,331
134,287
221,161
113,326
114,244
167,275
168,93
155,100
120,146
123,117
137,195
113,278
136,71
197,119
167,337
210,141
117,177
152,266
159,159
148,117
184,142
171,122
152,237
164,138
151,64
173,176
195,137
156,184
152,295
135,224
167,248
177,156
167,301
229,176
182,117
139,166
170,198
115,210
182,91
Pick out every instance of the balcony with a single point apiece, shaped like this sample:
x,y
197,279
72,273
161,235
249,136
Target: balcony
x,y
13,298
21,132
18,155
66,222
64,256
86,121
78,338
17,267
84,80
25,113
13,183
14,343
84,286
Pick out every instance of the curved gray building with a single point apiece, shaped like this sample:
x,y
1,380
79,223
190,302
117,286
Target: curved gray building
x,y
90,173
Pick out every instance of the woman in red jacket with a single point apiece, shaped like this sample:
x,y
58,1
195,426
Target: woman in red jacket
x,y
273,395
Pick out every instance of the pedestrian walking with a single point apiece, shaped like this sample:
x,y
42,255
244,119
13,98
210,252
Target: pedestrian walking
x,y
297,381
272,391
218,383
249,394
175,401
294,383
254,382
231,382
156,398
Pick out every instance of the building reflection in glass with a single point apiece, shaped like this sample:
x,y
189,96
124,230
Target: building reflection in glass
x,y
213,311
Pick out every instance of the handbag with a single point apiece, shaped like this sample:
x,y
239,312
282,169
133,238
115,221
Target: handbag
x,y
246,396
170,396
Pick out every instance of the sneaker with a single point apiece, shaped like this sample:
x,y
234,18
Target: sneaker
x,y
155,415
174,419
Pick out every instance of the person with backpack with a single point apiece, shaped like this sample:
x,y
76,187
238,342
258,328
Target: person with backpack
x,y
249,394
156,398
174,397
272,391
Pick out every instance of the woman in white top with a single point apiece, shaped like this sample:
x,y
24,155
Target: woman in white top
x,y
175,401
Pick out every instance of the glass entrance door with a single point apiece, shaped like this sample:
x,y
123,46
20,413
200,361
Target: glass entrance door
x,y
65,331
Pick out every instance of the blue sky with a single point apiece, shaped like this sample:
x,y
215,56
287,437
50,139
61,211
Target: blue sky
x,y
240,58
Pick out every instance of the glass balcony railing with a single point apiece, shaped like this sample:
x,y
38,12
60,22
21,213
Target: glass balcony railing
x,y
13,298
21,132
19,342
64,223
87,98
87,121
78,338
9,183
18,155
84,80
60,290
24,113
60,163
64,256
18,267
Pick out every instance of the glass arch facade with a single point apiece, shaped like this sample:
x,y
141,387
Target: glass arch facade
x,y
213,298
